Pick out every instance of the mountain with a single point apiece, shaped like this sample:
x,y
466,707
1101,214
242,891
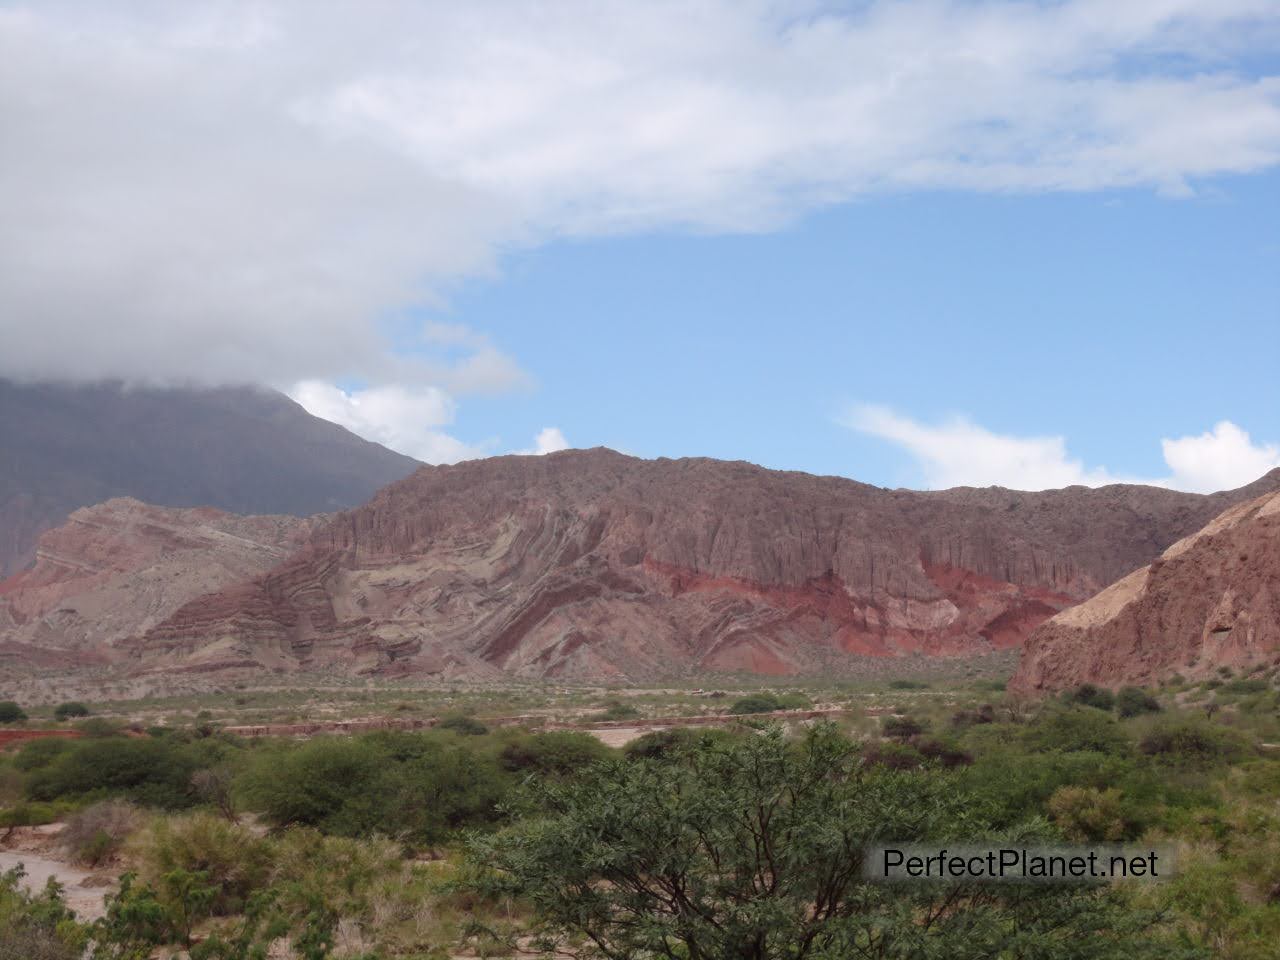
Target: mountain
x,y
118,568
241,449
594,564
1211,600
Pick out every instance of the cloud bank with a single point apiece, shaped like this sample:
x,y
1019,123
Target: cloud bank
x,y
960,453
265,190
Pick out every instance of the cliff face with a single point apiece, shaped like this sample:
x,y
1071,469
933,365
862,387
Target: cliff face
x,y
119,568
1210,600
244,450
590,563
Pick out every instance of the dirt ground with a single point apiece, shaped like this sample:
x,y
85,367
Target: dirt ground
x,y
35,848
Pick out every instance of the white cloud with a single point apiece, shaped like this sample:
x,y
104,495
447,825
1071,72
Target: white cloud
x,y
548,440
958,453
406,420
1223,458
261,190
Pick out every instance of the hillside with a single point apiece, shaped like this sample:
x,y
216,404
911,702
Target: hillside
x,y
594,564
1211,600
118,568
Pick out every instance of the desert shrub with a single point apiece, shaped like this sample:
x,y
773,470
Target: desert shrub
x,y
100,727
1246,685
416,787
1015,785
892,755
10,712
35,754
335,784
907,685
669,743
215,786
29,814
557,753
69,710
1133,701
36,926
148,772
1087,813
1186,742
463,724
1092,696
755,703
946,755
968,718
1073,730
617,710
226,855
95,834
901,728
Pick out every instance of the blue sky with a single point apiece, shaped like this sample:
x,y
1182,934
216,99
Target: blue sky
x,y
915,242
1113,319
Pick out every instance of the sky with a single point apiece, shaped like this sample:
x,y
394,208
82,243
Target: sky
x,y
920,243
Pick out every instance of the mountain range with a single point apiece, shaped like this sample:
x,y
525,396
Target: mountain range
x,y
222,546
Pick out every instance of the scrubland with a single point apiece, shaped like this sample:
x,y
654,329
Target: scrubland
x,y
484,836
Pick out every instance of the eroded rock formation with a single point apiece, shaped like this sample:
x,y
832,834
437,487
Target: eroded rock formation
x,y
118,568
594,564
1210,600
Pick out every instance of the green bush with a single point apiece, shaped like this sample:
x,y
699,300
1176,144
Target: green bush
x,y
150,772
1193,743
755,703
617,710
1091,696
907,685
73,708
1246,685
892,755
901,728
417,787
1072,730
227,855
10,712
1088,814
463,724
557,753
1133,701
37,754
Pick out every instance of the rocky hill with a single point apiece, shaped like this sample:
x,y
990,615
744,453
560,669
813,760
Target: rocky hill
x,y
592,564
244,450
1210,600
116,569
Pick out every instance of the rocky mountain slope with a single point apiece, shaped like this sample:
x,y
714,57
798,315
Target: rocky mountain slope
x,y
244,450
591,563
1210,600
116,569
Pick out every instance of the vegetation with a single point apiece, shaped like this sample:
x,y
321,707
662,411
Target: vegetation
x,y
70,710
10,712
477,839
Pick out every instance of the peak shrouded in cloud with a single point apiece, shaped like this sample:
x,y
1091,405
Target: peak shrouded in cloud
x,y
960,453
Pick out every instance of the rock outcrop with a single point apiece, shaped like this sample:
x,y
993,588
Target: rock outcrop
x,y
1210,600
116,569
595,564
246,450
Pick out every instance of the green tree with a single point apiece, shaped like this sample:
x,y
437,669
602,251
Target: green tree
x,y
752,850
73,708
10,712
